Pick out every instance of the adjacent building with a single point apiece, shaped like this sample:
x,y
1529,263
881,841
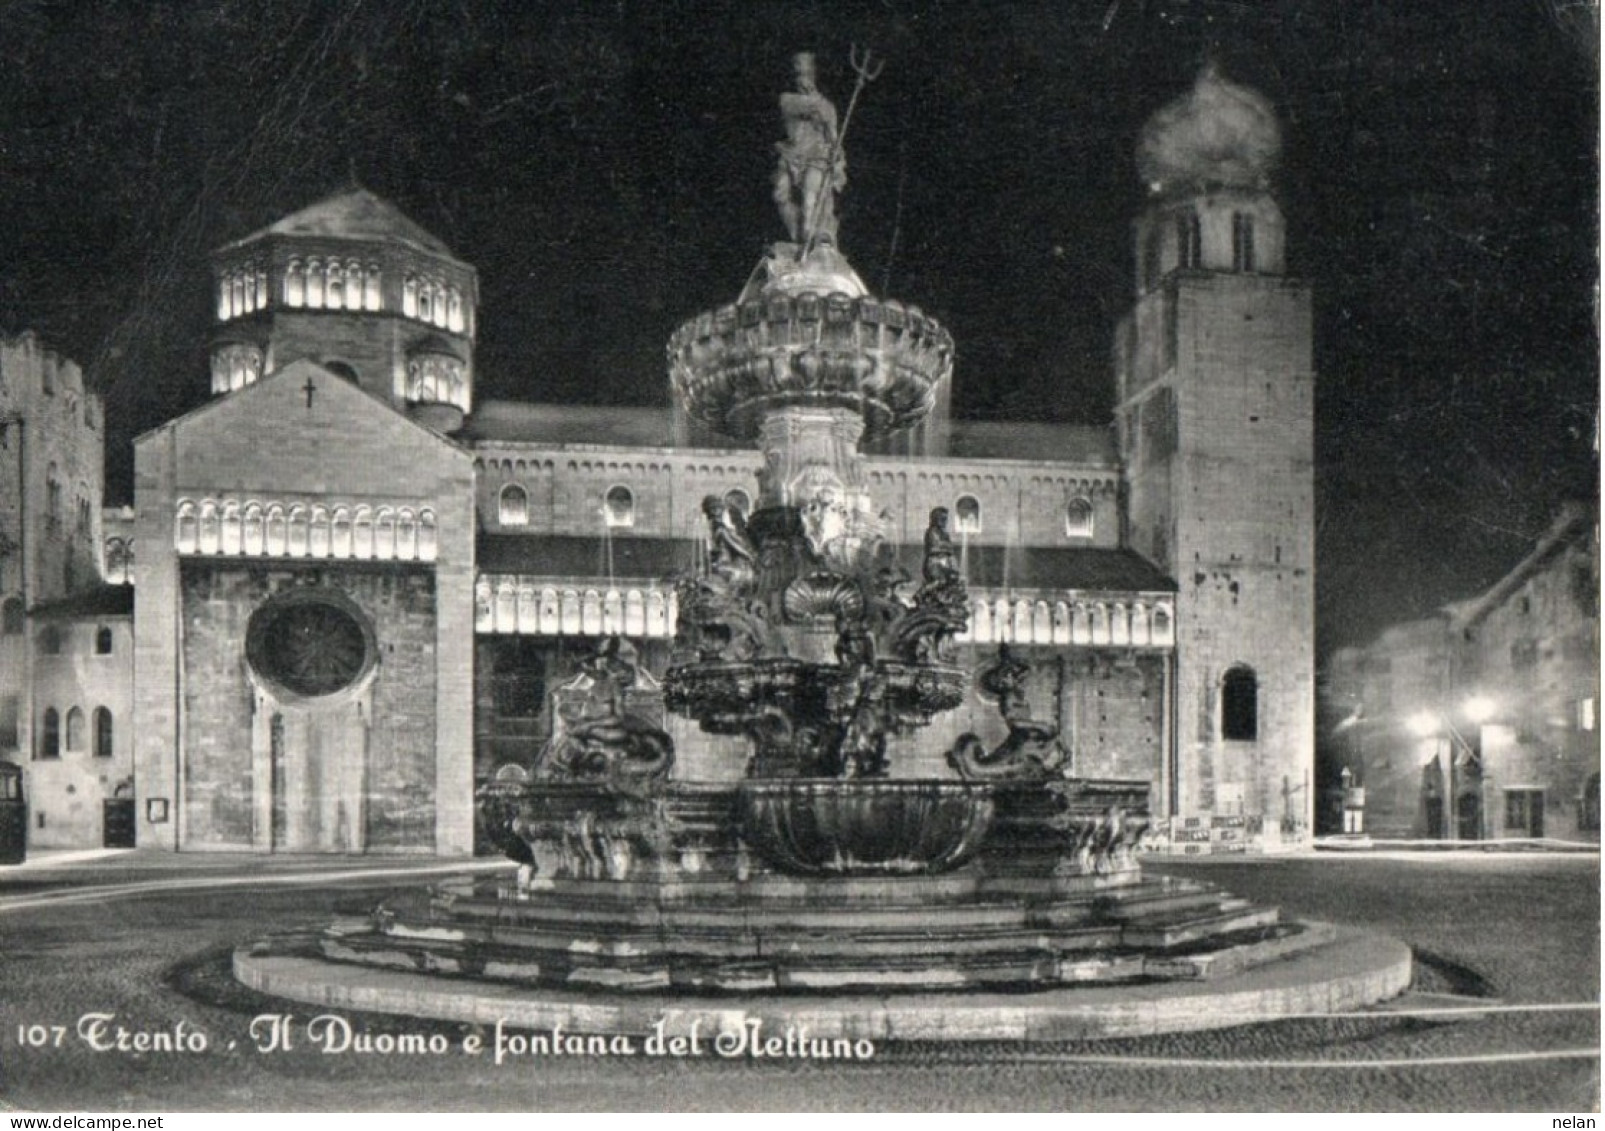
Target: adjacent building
x,y
1482,721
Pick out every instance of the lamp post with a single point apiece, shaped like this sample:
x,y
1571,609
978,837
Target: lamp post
x,y
1435,723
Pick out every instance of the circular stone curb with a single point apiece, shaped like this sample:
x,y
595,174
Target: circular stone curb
x,y
1357,968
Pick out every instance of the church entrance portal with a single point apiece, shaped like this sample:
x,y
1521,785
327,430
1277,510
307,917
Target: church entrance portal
x,y
313,660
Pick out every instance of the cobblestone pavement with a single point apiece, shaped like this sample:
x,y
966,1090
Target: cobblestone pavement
x,y
1520,931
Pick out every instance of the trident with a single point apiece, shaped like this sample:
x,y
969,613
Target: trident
x,y
868,70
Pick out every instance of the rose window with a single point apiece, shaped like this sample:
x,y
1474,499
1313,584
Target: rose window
x,y
310,647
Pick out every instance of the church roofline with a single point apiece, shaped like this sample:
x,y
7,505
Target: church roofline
x,y
299,365
356,215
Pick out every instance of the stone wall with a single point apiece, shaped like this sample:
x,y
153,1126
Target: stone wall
x,y
1021,502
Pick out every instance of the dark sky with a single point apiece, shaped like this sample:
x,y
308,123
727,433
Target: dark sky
x,y
606,167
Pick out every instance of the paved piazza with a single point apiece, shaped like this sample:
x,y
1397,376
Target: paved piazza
x,y
1504,1013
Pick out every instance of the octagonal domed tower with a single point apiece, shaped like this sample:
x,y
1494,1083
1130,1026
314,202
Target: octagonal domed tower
x,y
354,285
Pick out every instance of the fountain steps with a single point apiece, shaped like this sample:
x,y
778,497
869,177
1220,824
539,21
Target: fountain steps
x,y
594,933
910,962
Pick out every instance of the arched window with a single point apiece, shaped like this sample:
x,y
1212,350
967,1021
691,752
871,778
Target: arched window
x,y
362,533
409,297
512,508
1161,626
251,534
967,515
296,525
274,533
184,530
318,533
372,296
295,284
426,297
1189,241
340,533
618,509
103,733
1078,518
103,640
739,501
1239,705
231,527
11,616
384,533
224,300
50,735
315,282
334,293
75,730
1242,242
454,310
261,288
427,535
210,530
237,283
406,535
437,310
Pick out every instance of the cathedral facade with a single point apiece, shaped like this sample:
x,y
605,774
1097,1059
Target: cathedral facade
x,y
360,589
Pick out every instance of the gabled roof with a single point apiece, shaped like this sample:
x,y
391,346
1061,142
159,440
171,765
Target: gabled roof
x,y
353,215
261,393
1575,520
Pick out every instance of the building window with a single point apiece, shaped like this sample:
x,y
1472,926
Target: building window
x,y
11,616
512,508
967,515
618,509
1524,809
103,734
1078,518
1239,710
103,640
184,528
315,282
50,735
1242,241
372,296
1189,241
295,284
52,496
75,730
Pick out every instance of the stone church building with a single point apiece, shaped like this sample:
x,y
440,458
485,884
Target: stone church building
x,y
358,585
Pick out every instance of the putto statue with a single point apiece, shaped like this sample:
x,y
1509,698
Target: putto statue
x,y
812,167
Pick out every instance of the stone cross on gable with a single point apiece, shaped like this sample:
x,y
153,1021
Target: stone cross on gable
x,y
309,388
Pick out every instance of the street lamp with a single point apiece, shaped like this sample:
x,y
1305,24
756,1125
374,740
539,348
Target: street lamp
x,y
1434,723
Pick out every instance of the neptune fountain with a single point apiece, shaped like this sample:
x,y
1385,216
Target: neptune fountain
x,y
819,865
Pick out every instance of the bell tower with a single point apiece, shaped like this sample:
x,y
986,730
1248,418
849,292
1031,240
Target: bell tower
x,y
354,285
1215,411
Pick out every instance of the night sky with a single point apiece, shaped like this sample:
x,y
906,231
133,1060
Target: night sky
x,y
606,168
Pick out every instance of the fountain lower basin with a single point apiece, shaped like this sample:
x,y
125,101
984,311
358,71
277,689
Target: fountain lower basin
x,y
816,827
